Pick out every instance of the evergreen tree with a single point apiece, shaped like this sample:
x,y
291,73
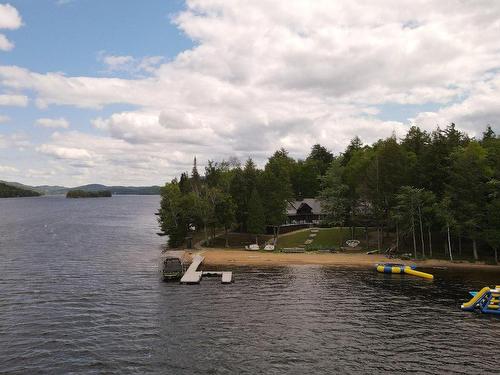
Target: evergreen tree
x,y
256,221
354,146
238,193
492,227
467,189
184,185
195,178
225,212
320,157
334,195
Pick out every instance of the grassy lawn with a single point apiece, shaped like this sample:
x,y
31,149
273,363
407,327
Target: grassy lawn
x,y
294,239
326,238
331,238
335,237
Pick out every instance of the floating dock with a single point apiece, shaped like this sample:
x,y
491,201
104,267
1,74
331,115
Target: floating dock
x,y
193,276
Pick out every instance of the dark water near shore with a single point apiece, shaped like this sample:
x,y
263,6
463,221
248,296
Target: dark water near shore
x,y
80,293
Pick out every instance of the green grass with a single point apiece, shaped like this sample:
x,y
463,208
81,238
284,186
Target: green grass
x,y
294,239
336,237
326,238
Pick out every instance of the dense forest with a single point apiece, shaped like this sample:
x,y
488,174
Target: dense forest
x,y
9,191
442,182
88,194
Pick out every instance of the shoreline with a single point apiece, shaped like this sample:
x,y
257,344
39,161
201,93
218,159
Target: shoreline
x,y
223,257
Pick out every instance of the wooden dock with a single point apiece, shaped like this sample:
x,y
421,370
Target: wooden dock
x,y
193,276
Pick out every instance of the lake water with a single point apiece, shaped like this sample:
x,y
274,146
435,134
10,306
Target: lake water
x,y
80,293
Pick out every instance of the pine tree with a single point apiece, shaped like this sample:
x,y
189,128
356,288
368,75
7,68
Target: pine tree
x,y
195,178
256,223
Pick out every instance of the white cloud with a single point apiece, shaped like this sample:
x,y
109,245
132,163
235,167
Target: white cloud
x,y
14,100
9,17
53,123
479,109
128,64
268,74
8,169
18,141
5,44
117,62
71,153
4,119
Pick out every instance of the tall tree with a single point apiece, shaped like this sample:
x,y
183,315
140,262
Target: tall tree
x,y
195,178
225,212
176,214
467,189
238,193
334,195
492,227
321,158
354,146
256,221
417,142
184,185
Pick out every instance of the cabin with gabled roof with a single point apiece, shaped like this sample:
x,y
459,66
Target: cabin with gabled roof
x,y
305,211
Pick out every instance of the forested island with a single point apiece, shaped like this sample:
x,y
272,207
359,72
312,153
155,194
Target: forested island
x,y
429,193
88,194
9,191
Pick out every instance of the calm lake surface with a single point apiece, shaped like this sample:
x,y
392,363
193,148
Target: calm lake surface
x,y
80,292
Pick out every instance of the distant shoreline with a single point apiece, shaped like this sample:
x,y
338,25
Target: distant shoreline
x,y
223,257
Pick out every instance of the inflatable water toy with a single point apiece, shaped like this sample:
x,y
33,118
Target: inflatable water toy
x,y
402,268
486,300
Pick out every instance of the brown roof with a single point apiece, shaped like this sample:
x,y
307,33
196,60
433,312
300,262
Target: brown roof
x,y
293,206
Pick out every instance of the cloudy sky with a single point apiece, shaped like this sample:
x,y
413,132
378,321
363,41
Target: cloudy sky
x,y
127,92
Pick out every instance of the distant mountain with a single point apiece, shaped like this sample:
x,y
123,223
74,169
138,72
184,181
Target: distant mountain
x,y
11,191
121,190
118,190
51,190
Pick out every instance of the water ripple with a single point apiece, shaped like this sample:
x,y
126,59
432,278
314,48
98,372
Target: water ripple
x,y
80,293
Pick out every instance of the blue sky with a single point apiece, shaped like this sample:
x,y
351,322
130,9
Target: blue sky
x,y
68,37
128,92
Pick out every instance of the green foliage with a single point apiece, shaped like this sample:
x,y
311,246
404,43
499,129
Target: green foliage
x,y
492,227
414,207
174,217
334,195
9,191
256,221
88,194
468,188
427,181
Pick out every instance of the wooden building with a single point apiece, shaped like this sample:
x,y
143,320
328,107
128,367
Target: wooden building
x,y
305,211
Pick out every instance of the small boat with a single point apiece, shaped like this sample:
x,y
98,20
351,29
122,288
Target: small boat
x,y
173,267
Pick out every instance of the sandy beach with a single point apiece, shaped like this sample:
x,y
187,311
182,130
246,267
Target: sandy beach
x,y
256,258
